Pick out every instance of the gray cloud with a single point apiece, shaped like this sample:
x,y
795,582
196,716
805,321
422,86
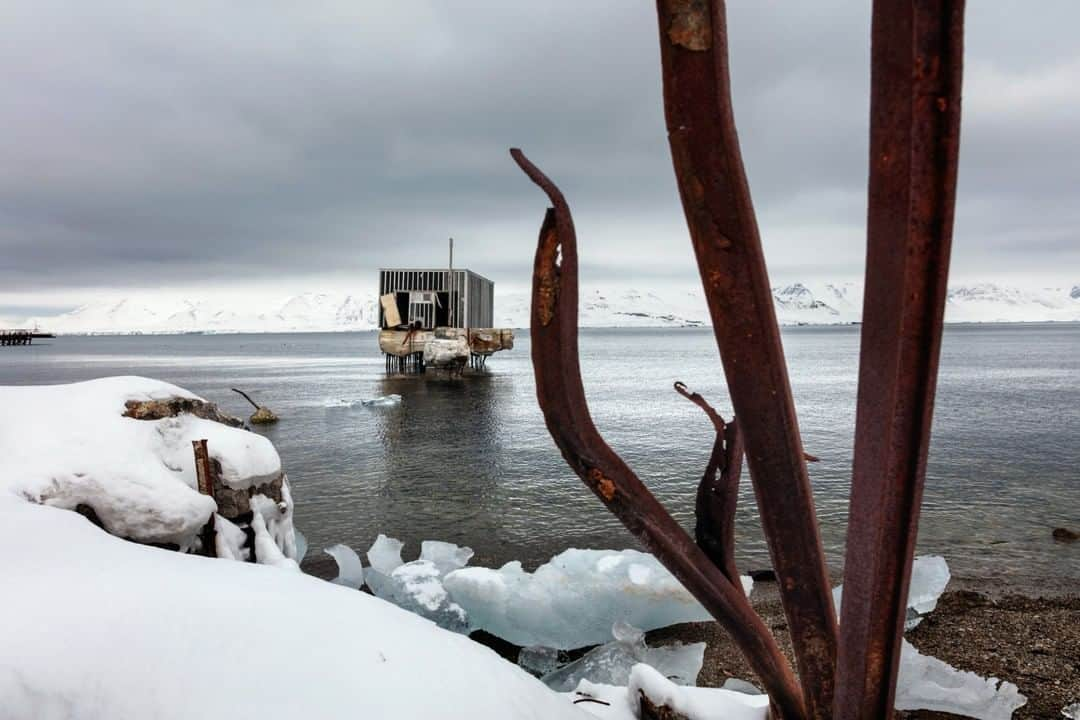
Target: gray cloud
x,y
254,142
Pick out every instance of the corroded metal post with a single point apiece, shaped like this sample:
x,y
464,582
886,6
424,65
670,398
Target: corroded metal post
x,y
553,327
723,230
204,473
917,50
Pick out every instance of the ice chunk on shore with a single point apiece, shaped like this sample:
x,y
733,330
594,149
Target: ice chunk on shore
x,y
417,587
447,557
350,570
385,554
611,663
301,546
926,683
538,660
574,599
1072,712
743,686
929,577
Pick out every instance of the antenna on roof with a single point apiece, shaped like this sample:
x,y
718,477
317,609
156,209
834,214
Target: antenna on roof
x,y
452,284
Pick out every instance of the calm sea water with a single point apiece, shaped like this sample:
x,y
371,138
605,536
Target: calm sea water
x,y
469,460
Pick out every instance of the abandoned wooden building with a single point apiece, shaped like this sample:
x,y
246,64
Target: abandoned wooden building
x,y
439,318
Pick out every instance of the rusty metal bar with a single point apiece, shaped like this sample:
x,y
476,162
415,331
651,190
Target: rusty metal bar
x,y
917,58
204,474
724,233
718,491
561,396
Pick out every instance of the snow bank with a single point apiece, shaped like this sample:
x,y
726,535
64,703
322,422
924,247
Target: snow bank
x,y
621,703
113,630
71,445
573,600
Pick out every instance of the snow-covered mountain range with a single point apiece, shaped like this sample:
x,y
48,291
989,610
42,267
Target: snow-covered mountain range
x,y
796,304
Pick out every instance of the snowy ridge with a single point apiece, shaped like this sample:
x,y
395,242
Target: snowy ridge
x,y
822,303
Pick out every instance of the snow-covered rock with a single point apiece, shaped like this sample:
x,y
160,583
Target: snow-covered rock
x,y
136,475
103,629
574,599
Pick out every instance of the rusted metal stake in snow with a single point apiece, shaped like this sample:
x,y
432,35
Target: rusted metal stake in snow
x,y
724,233
917,48
204,473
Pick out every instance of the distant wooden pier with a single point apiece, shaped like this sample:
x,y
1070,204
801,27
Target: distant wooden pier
x,y
21,337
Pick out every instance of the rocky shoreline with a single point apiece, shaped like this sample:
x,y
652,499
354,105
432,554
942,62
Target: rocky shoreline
x,y
986,626
1027,633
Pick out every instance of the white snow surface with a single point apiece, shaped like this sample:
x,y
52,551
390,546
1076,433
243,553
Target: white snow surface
x,y
65,445
694,703
573,600
99,628
826,303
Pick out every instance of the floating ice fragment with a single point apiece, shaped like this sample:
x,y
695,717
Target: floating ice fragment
x,y
574,599
538,660
350,570
611,663
447,557
385,554
301,546
382,401
926,683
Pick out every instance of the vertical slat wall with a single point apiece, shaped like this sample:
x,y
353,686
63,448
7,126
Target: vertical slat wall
x,y
475,295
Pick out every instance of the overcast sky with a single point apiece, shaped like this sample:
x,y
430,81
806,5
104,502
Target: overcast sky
x,y
196,147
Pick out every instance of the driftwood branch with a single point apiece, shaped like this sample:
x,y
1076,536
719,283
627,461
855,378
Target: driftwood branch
x,y
561,396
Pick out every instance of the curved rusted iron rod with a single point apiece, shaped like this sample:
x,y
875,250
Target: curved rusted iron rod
x,y
562,399
248,398
718,491
916,76
724,233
